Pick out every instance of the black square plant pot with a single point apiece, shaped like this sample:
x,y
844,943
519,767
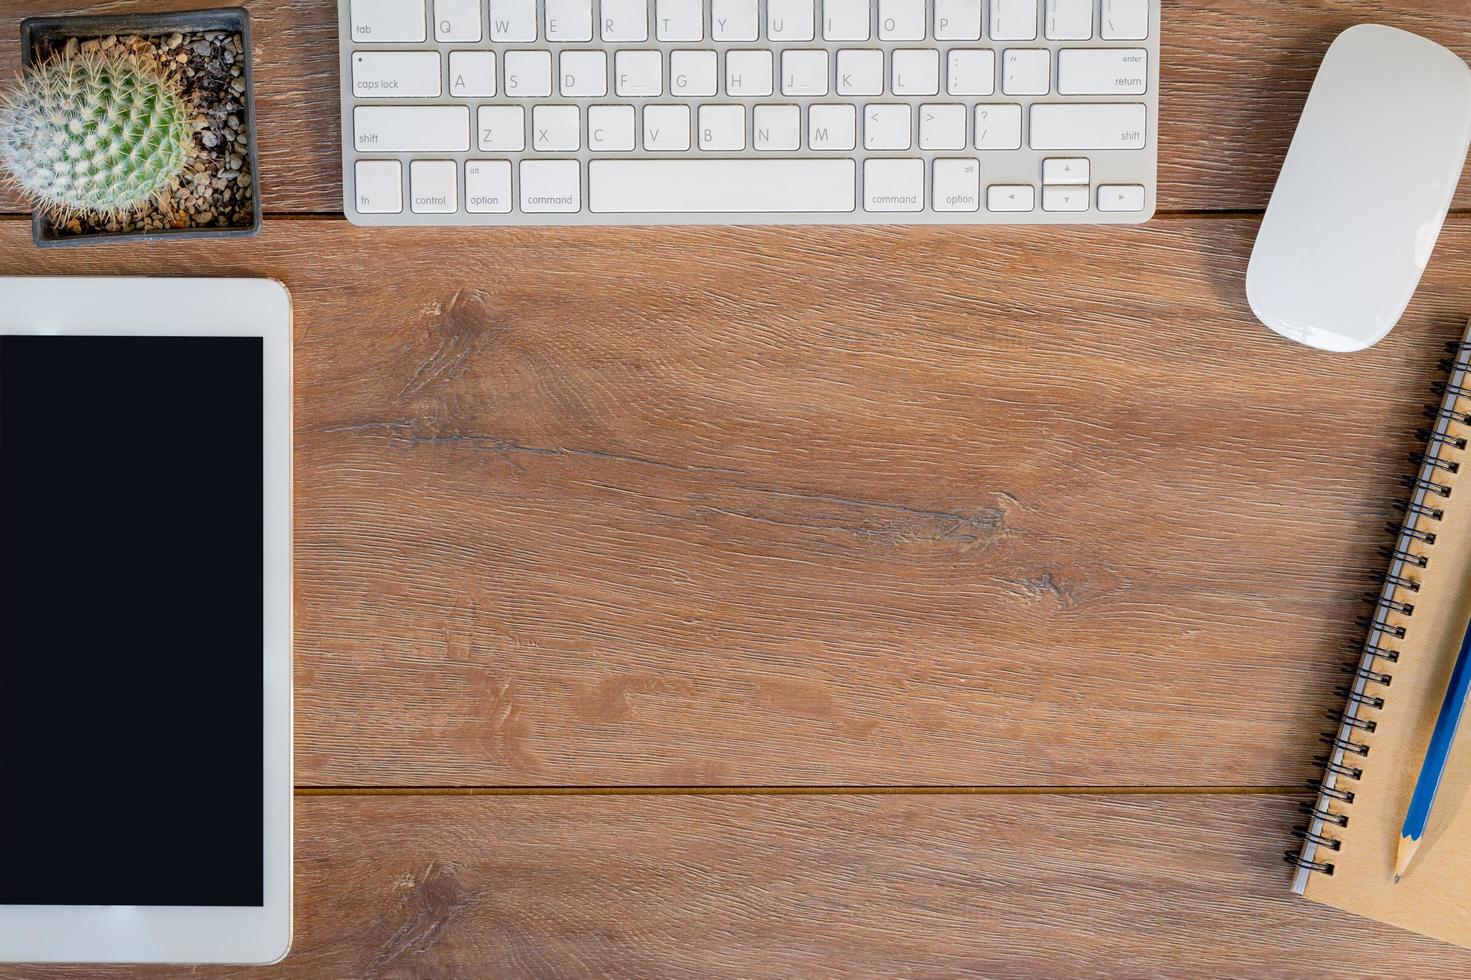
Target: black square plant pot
x,y
55,31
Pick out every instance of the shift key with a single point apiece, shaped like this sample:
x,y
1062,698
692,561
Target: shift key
x,y
1089,126
409,129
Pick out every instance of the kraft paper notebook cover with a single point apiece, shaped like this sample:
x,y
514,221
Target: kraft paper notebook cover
x,y
1397,684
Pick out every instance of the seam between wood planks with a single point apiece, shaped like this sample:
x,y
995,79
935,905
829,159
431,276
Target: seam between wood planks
x,y
709,791
339,216
306,791
1174,215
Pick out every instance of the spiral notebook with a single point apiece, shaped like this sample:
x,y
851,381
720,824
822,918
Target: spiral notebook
x,y
1391,703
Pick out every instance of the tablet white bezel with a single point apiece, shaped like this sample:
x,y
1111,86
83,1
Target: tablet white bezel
x,y
186,308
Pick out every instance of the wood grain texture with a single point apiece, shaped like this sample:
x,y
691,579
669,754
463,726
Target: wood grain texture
x,y
801,887
883,506
754,507
1235,74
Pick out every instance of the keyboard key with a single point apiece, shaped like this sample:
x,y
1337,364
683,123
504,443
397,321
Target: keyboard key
x,y
379,187
666,128
893,185
1026,72
722,127
528,74
624,20
488,186
1060,198
610,127
1121,197
733,20
942,127
513,20
569,20
584,74
472,74
411,129
886,127
387,21
901,20
1095,126
971,72
1065,170
1068,20
958,20
1014,20
789,20
998,127
638,73
720,186
395,74
804,73
1011,197
916,71
832,127
556,128
434,187
457,20
748,73
957,186
779,127
501,127
551,186
692,73
1124,20
1102,71
845,20
679,20
860,71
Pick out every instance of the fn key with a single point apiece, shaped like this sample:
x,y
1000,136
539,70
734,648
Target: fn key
x,y
379,187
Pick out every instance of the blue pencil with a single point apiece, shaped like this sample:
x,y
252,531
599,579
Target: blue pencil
x,y
1436,755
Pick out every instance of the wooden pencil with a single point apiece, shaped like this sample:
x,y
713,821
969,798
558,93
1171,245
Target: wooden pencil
x,y
1436,755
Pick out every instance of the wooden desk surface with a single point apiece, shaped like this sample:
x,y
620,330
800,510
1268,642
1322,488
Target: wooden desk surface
x,y
744,602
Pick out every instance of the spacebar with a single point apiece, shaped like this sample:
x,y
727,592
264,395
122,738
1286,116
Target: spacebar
x,y
724,186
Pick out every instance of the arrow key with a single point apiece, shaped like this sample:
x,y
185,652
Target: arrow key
x,y
1114,197
1065,170
1064,198
1010,197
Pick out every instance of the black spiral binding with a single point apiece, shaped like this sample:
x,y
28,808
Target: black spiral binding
x,y
1371,675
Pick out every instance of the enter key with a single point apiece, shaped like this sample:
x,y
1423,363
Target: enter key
x,y
1102,71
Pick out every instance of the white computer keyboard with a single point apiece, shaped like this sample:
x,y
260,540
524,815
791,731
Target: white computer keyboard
x,y
550,112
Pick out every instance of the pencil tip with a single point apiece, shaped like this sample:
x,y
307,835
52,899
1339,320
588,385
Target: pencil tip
x,y
1396,879
1404,855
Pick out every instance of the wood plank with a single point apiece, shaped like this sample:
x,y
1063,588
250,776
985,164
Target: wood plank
x,y
1235,73
799,887
860,507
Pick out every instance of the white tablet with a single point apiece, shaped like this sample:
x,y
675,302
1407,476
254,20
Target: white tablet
x,y
145,620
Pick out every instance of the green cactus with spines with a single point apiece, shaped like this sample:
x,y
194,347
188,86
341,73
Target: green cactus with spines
x,y
94,133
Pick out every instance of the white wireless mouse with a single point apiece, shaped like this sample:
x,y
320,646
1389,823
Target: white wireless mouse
x,y
1363,191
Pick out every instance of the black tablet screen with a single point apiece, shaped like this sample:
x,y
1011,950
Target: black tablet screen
x,y
131,761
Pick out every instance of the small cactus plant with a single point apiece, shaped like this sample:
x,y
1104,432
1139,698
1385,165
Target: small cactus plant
x,y
93,133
